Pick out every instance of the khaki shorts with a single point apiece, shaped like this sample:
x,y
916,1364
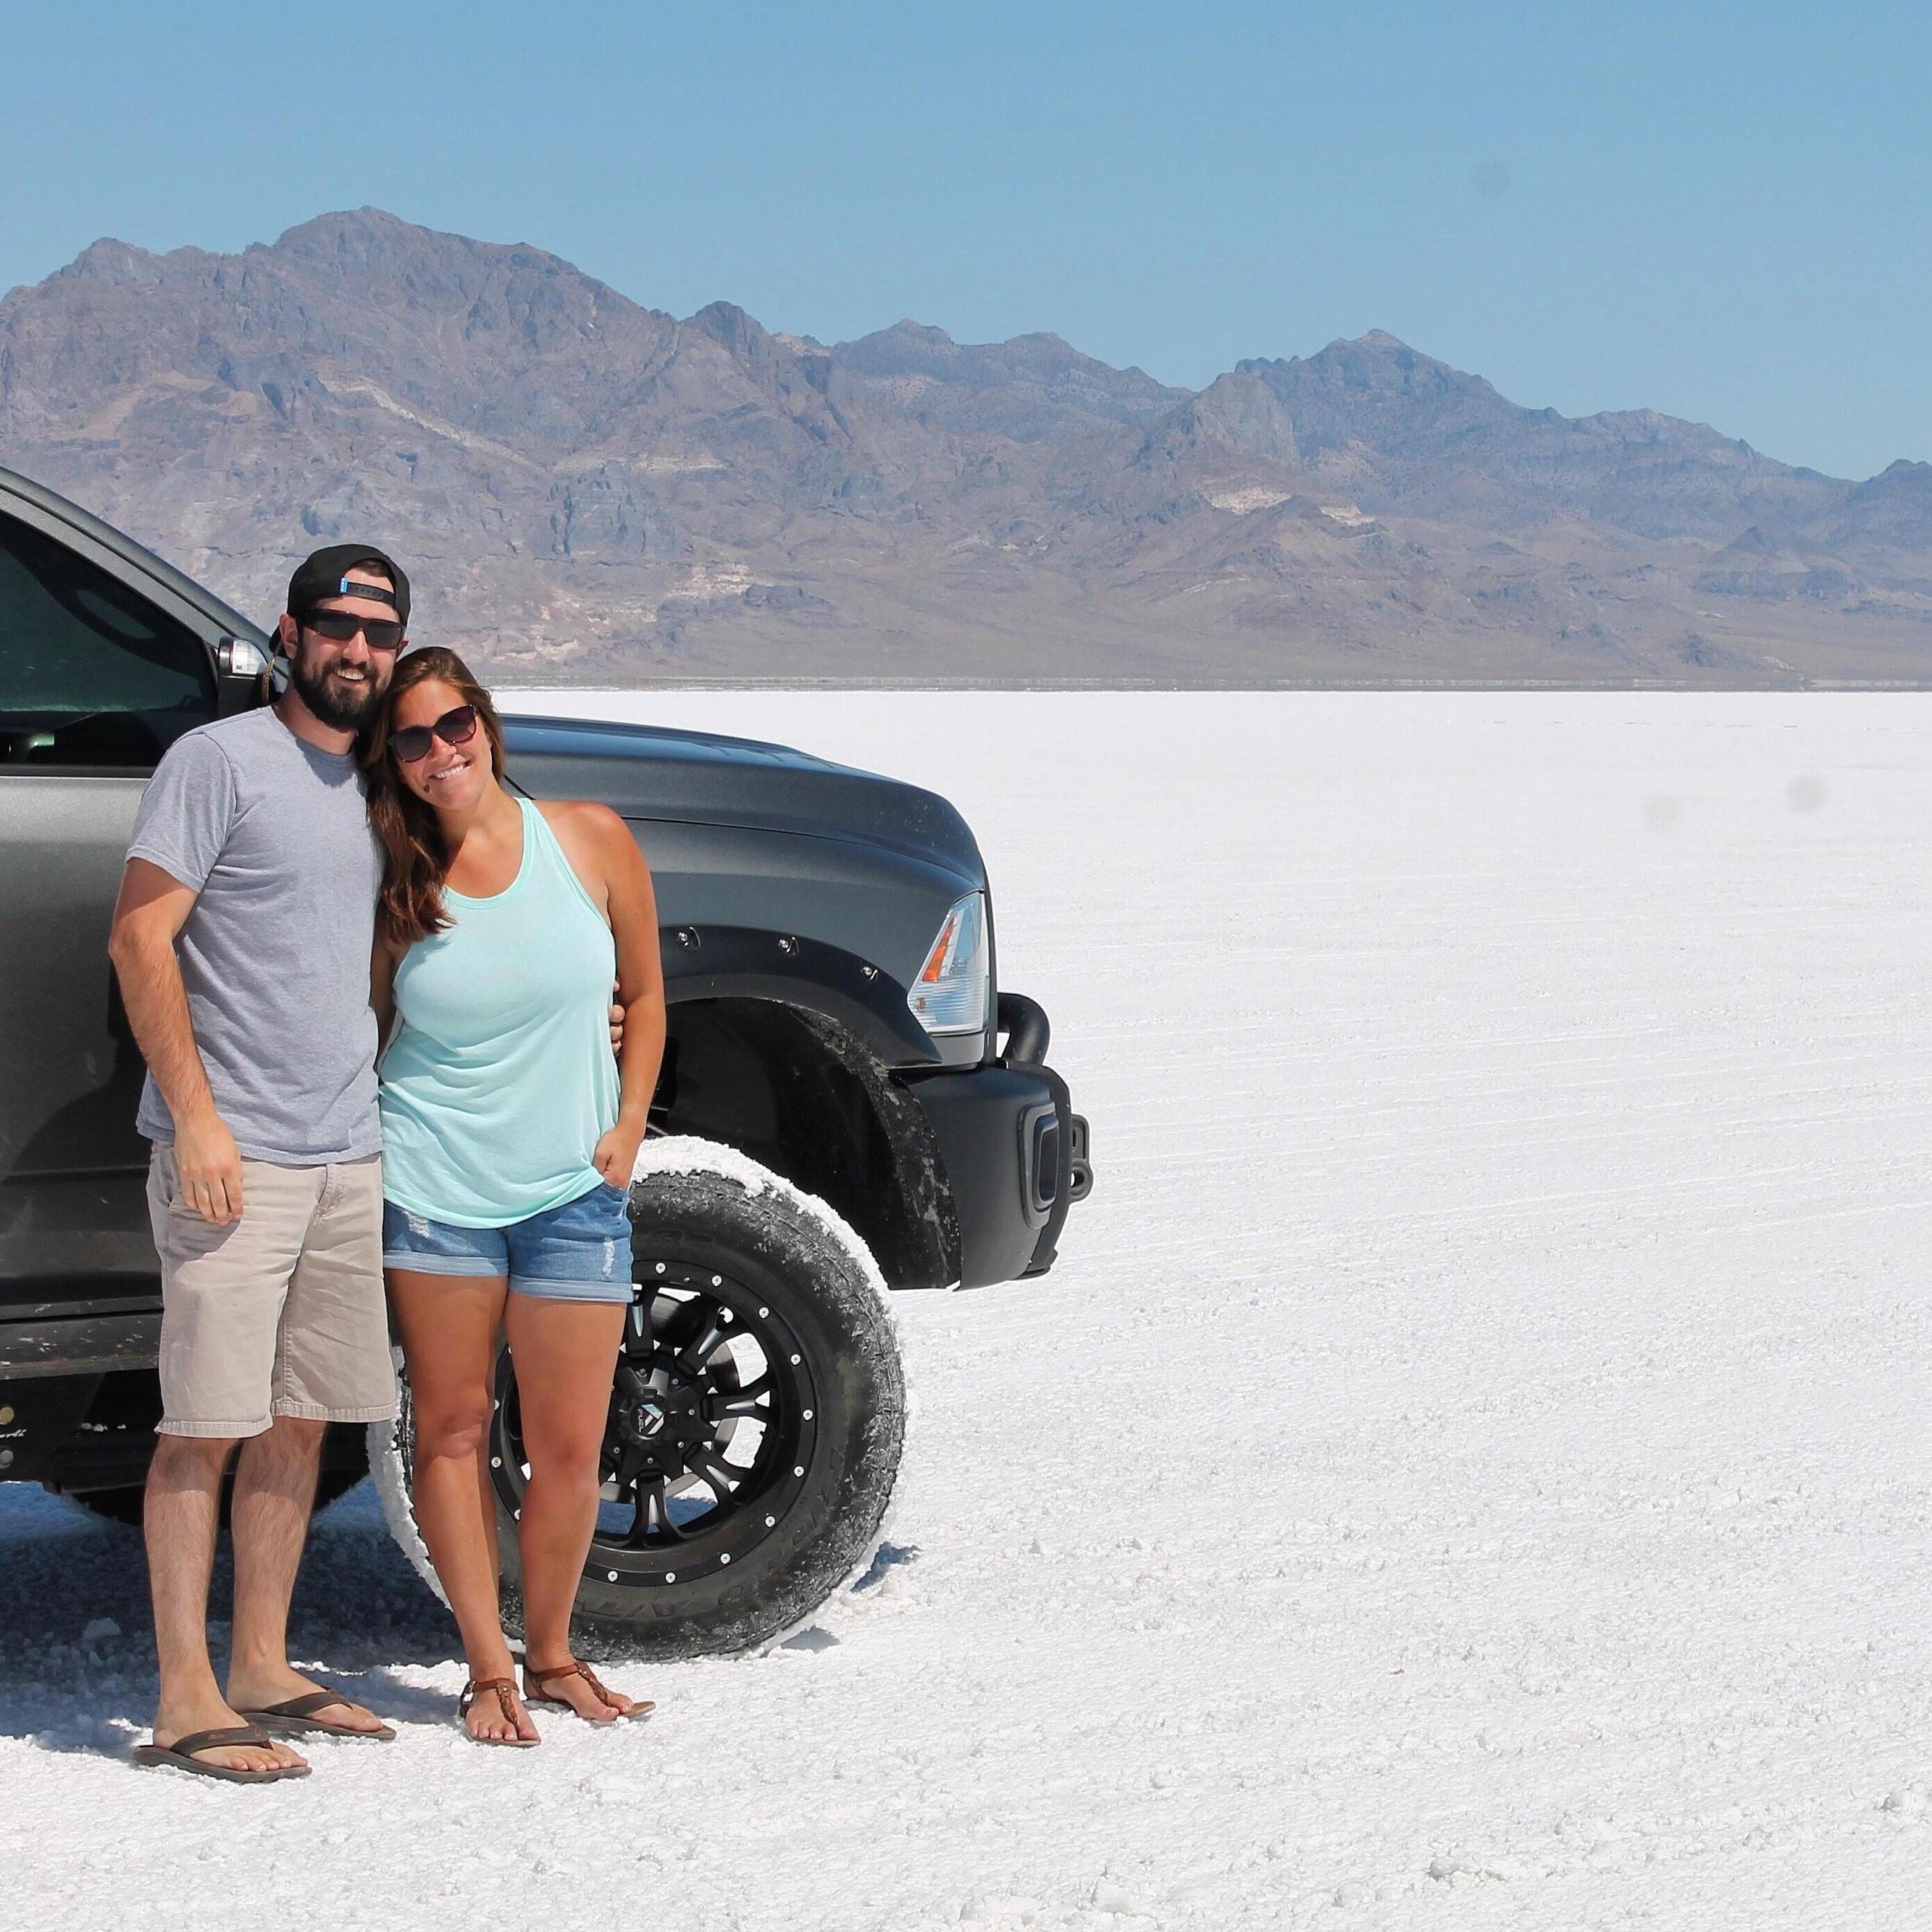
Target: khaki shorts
x,y
279,1313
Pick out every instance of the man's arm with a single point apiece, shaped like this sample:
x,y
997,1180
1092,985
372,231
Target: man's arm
x,y
382,962
153,907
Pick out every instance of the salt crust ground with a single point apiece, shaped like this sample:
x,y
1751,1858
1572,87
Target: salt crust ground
x,y
1468,1469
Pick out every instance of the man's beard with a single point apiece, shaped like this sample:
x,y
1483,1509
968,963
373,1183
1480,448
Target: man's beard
x,y
341,707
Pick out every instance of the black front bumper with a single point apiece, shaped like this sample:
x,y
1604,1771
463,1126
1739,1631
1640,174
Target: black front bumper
x,y
1014,1151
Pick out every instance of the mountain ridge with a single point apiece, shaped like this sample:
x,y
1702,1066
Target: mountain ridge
x,y
590,487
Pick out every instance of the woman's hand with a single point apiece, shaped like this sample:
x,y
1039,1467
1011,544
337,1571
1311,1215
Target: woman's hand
x,y
615,1157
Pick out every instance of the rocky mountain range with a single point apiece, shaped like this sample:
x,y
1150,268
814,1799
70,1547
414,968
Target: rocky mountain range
x,y
588,490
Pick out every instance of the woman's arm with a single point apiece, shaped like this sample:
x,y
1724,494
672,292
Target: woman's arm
x,y
631,905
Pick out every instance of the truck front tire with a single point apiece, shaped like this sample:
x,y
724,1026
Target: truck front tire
x,y
756,1420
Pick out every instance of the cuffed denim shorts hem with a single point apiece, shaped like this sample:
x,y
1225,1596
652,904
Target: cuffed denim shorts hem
x,y
422,1264
571,1291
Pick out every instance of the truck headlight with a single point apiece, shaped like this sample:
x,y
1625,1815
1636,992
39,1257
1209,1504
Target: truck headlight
x,y
950,994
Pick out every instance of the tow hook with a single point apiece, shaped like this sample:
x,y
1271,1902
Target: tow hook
x,y
1079,1173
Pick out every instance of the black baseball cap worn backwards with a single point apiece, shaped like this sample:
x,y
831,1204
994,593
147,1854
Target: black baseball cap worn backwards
x,y
325,574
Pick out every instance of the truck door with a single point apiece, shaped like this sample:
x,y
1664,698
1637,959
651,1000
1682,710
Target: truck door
x,y
95,683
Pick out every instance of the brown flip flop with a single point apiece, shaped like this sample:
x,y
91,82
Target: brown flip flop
x,y
533,1693
506,1691
185,1754
297,1715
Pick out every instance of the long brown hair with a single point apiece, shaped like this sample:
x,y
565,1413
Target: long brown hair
x,y
410,906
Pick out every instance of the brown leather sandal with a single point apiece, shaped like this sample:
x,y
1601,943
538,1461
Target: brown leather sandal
x,y
506,1691
533,1691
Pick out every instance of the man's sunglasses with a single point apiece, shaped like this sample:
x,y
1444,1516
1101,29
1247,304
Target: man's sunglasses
x,y
380,634
411,744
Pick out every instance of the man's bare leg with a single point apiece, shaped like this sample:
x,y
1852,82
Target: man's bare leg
x,y
274,1491
183,1512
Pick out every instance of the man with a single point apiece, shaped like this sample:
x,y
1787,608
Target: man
x,y
242,941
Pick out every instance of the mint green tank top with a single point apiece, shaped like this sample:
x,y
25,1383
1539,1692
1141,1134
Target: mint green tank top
x,y
499,1079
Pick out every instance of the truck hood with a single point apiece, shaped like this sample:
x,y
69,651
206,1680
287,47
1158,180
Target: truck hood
x,y
695,778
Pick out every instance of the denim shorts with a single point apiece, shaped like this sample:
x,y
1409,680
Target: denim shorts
x,y
580,1252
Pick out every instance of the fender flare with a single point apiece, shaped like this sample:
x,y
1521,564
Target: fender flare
x,y
722,962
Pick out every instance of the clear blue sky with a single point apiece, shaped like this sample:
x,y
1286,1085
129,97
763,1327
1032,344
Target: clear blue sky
x,y
1721,211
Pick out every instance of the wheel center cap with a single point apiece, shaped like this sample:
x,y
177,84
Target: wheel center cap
x,y
647,1420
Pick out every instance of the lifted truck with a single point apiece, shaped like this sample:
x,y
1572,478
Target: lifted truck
x,y
849,1099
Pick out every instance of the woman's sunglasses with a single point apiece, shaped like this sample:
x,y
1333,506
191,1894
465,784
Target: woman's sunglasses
x,y
380,634
411,744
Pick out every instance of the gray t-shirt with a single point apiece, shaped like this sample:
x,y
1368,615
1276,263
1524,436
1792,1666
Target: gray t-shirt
x,y
275,836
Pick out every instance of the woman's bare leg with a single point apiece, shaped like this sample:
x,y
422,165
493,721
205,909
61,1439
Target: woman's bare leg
x,y
448,1324
564,1353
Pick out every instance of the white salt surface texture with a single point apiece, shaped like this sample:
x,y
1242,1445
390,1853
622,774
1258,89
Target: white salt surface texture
x,y
1468,1469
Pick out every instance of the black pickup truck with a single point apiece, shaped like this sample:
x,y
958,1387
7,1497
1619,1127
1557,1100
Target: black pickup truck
x,y
848,1102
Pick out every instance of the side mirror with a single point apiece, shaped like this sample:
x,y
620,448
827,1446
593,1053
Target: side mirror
x,y
238,658
242,667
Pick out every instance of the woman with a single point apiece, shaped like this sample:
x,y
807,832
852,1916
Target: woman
x,y
508,1137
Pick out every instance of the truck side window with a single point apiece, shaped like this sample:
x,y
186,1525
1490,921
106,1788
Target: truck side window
x,y
90,673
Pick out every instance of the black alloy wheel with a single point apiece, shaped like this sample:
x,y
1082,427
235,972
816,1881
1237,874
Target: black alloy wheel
x,y
712,1425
